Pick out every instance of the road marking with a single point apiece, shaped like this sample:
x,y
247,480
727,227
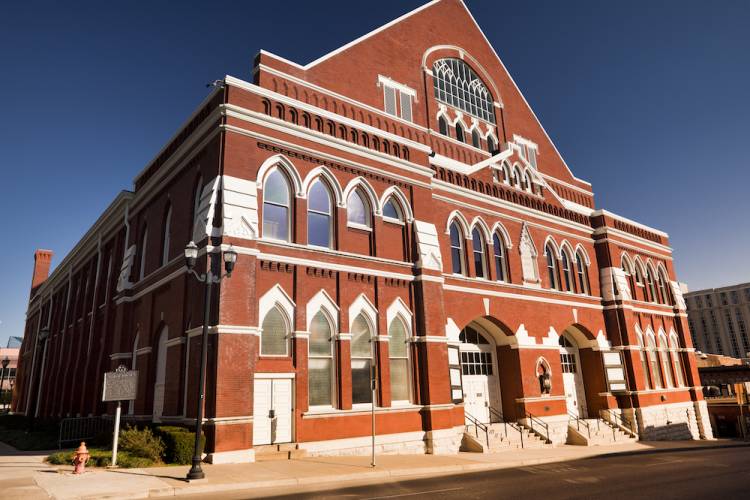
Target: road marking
x,y
415,493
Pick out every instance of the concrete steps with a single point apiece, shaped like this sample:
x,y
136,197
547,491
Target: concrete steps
x,y
501,437
272,452
596,432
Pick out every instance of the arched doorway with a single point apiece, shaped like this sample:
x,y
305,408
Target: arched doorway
x,y
570,361
479,369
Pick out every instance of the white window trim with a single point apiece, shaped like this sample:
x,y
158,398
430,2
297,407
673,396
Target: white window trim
x,y
388,82
274,297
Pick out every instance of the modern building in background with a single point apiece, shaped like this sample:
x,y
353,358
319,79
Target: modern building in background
x,y
726,386
399,212
719,319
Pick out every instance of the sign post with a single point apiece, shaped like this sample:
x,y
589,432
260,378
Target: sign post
x,y
119,385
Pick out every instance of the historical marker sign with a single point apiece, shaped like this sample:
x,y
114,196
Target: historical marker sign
x,y
120,385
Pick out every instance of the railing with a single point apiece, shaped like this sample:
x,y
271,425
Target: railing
x,y
477,427
498,414
74,429
579,421
620,421
541,423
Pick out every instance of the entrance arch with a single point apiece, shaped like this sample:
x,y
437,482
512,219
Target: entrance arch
x,y
479,373
570,362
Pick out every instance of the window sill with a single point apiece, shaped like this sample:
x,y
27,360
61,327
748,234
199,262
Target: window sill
x,y
393,221
360,227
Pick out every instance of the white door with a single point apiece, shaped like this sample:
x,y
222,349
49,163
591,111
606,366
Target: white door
x,y
481,388
575,395
272,411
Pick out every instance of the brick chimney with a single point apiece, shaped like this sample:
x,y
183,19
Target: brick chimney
x,y
42,261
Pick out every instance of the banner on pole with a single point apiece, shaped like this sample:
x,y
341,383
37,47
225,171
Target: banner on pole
x,y
120,385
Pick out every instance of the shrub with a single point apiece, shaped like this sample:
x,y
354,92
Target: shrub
x,y
100,457
179,443
141,443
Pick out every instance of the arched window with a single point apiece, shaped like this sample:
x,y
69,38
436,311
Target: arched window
x,y
528,186
358,209
655,373
475,139
160,377
392,211
674,348
166,237
651,286
516,177
552,267
567,272
362,356
320,362
443,125
459,132
276,206
478,249
491,145
274,334
319,216
144,247
506,169
664,297
664,357
644,363
628,270
398,351
583,274
457,248
458,85
500,263
196,204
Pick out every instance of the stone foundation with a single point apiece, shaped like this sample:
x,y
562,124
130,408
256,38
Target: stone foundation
x,y
704,420
444,441
668,422
231,457
406,443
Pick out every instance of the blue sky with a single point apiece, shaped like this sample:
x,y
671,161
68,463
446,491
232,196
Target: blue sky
x,y
645,99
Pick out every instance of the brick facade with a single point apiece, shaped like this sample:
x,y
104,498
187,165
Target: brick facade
x,y
120,291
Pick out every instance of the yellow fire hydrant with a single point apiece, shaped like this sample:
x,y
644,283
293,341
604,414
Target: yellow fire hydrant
x,y
80,457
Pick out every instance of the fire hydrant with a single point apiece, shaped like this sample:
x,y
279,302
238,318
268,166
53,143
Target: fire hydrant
x,y
80,457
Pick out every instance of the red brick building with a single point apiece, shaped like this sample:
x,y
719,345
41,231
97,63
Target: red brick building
x,y
395,204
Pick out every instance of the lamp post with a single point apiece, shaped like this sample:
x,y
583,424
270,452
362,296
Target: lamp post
x,y
208,279
4,364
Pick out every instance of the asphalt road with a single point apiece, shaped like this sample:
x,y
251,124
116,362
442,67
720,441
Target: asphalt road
x,y
706,474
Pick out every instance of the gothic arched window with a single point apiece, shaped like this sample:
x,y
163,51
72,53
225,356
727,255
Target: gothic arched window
x,y
458,85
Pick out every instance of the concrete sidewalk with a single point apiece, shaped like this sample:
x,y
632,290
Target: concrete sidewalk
x,y
310,473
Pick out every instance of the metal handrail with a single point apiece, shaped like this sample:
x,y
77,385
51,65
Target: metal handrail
x,y
499,414
620,421
477,426
533,419
580,421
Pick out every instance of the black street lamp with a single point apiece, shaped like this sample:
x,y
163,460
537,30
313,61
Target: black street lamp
x,y
209,279
4,364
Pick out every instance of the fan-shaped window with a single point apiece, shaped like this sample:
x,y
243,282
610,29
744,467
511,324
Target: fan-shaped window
x,y
459,132
552,267
457,249
274,334
320,363
567,272
358,209
470,336
362,355
276,206
500,263
398,351
475,139
583,276
478,248
458,85
319,216
392,210
443,125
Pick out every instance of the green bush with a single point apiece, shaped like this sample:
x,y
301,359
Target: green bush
x,y
141,443
179,443
101,458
